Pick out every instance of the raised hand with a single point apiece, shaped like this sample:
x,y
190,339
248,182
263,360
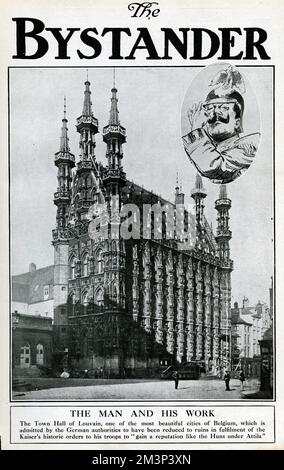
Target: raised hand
x,y
196,116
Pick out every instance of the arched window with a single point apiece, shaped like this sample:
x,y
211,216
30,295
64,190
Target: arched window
x,y
39,354
71,301
85,265
72,268
100,261
85,299
100,298
88,181
85,303
114,292
25,356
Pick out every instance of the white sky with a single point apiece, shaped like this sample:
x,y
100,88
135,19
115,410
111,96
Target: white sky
x,y
150,104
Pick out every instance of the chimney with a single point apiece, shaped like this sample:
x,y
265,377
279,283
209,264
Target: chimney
x,y
32,268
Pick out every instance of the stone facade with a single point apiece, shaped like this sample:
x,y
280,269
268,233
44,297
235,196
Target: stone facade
x,y
129,304
32,291
32,306
31,343
249,324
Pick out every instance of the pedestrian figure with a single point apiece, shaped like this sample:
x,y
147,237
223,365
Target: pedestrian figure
x,y
242,379
176,378
227,379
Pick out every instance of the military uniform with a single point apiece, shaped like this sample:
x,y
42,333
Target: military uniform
x,y
224,161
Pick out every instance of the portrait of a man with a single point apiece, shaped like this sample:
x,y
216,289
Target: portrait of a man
x,y
214,143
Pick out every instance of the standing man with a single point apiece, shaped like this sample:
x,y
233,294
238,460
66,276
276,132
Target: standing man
x,y
242,379
176,378
227,379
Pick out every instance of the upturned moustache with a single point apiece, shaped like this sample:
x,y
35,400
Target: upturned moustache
x,y
218,119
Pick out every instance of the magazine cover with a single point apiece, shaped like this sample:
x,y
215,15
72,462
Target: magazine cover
x,y
141,176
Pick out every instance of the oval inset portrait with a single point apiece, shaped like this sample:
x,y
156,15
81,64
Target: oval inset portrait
x,y
220,123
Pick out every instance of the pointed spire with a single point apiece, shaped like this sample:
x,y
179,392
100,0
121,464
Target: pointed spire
x,y
87,124
114,134
177,184
87,106
223,192
198,192
198,182
64,107
113,118
179,195
64,141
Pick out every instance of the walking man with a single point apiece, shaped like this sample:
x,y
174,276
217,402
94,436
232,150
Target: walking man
x,y
176,378
242,379
227,379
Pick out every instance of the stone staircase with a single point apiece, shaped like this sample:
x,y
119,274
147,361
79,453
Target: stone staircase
x,y
20,385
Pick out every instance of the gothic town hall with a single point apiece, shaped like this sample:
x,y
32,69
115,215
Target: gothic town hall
x,y
128,305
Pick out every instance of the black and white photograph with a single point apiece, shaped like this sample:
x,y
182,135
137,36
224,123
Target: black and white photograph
x,y
142,233
141,229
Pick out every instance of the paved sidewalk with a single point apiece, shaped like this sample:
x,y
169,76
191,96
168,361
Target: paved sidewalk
x,y
157,390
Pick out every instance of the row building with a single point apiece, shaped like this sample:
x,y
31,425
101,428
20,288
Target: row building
x,y
31,320
249,324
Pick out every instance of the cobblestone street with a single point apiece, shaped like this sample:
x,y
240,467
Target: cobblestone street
x,y
202,389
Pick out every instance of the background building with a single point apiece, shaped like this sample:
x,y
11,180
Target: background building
x,y
249,325
267,366
31,320
31,343
32,292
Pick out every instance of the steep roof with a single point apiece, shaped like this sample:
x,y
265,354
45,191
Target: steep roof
x,y
42,277
236,318
20,292
22,278
139,195
29,287
248,310
240,321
